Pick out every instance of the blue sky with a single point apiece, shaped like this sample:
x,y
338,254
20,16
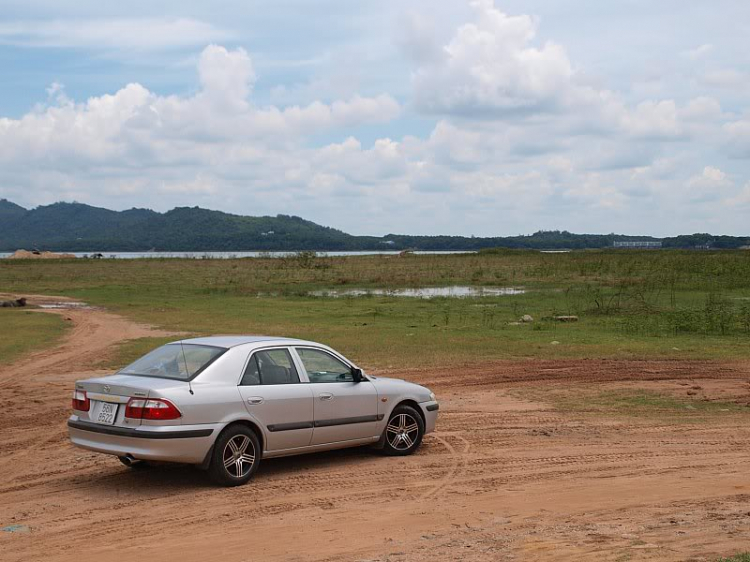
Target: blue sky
x,y
457,117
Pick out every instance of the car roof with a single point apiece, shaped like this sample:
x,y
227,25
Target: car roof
x,y
233,341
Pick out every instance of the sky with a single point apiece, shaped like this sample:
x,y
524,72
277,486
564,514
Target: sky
x,y
462,117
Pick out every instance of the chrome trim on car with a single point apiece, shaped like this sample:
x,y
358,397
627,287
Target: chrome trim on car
x,y
108,398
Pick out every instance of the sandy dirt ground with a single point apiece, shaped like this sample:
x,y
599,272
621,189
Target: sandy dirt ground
x,y
505,477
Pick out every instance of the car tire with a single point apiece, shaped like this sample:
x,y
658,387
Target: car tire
x,y
236,456
404,431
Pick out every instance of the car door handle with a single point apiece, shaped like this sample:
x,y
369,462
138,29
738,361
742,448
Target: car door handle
x,y
325,396
255,400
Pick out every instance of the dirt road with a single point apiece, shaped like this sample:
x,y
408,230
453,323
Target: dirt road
x,y
506,477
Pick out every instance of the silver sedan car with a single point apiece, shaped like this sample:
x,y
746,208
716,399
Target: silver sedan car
x,y
224,403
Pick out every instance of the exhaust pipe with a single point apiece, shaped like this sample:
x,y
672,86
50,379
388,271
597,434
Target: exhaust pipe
x,y
131,462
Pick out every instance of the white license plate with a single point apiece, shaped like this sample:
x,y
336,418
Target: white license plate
x,y
104,412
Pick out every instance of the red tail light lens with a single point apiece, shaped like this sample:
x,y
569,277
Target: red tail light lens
x,y
134,408
81,401
151,409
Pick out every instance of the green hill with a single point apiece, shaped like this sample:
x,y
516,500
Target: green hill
x,y
75,227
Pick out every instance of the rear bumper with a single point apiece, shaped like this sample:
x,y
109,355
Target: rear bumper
x,y
430,411
187,444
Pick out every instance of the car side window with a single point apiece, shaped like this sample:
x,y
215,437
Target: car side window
x,y
275,366
251,376
324,367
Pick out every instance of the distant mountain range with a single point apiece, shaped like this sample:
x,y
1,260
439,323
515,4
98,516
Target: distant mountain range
x,y
75,227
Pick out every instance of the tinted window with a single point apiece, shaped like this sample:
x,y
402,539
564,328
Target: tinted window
x,y
273,366
252,374
324,367
174,361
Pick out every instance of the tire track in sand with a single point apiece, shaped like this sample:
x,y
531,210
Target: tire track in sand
x,y
459,463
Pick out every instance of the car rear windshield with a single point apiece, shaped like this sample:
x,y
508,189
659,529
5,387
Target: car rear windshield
x,y
174,361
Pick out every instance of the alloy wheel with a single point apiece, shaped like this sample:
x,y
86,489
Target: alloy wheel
x,y
402,432
239,456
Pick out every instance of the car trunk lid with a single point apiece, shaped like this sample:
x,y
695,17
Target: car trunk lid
x,y
108,397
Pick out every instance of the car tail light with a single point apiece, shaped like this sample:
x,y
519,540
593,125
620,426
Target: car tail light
x,y
151,409
81,401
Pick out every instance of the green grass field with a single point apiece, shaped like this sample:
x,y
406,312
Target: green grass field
x,y
638,403
666,304
22,331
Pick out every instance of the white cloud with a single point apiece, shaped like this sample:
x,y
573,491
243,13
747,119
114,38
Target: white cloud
x,y
737,134
134,34
490,68
530,187
595,191
200,184
651,118
386,159
727,78
742,199
138,126
659,169
699,51
702,108
560,165
226,77
709,185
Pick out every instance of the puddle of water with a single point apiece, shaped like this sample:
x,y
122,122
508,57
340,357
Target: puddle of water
x,y
63,305
16,529
424,292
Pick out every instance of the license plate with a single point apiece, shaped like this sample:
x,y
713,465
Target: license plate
x,y
104,412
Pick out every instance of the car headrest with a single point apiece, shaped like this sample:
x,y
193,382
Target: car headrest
x,y
275,374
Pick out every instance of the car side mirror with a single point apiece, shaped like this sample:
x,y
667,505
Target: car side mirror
x,y
356,374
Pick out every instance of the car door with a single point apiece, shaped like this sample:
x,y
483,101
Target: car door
x,y
272,392
343,410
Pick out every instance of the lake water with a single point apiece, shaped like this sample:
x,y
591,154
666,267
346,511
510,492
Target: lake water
x,y
456,291
233,255
65,305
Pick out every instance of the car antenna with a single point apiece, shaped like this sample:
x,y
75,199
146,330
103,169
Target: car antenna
x,y
187,371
